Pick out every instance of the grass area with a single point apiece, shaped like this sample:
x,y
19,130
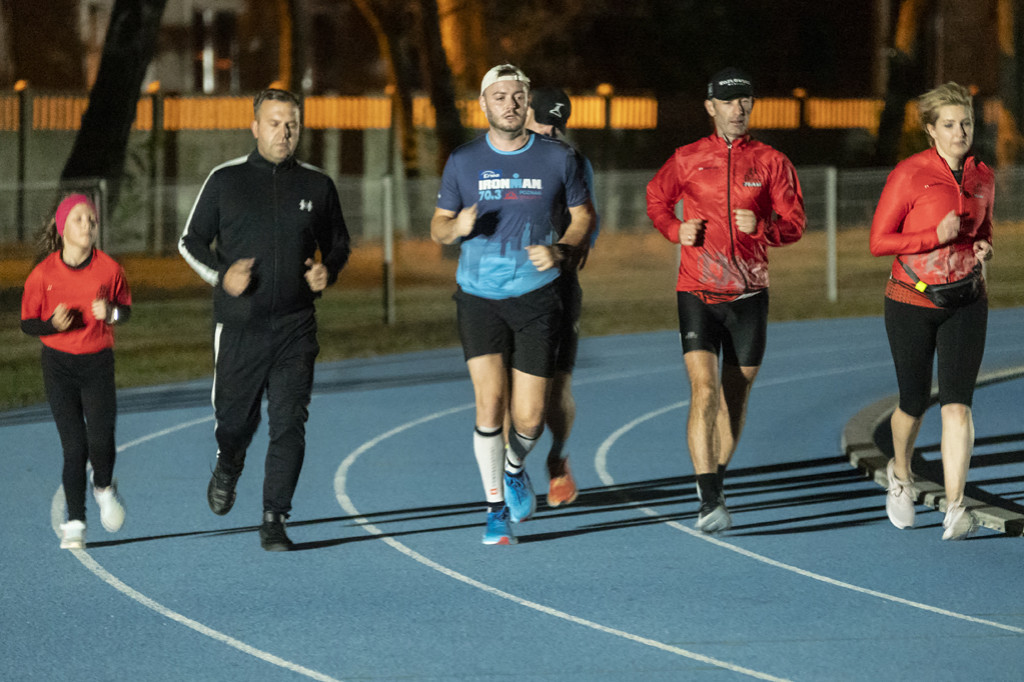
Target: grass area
x,y
628,286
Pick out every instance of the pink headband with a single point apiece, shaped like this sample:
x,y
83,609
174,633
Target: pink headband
x,y
65,207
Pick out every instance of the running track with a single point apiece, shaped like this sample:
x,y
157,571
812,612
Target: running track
x,y
392,583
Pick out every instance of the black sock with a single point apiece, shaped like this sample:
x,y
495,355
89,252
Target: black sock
x,y
555,453
708,486
721,476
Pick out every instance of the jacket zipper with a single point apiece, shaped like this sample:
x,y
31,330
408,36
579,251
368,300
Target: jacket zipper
x,y
728,215
274,237
959,207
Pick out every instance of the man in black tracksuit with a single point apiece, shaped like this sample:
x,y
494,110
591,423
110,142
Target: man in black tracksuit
x,y
253,234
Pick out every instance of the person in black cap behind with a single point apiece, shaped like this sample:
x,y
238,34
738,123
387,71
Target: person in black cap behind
x,y
550,109
739,196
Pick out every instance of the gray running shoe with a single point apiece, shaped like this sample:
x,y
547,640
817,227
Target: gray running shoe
x,y
713,516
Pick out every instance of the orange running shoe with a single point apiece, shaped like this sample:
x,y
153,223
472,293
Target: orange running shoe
x,y
562,488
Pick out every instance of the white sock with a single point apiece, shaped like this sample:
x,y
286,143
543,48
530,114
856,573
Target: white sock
x,y
519,447
489,448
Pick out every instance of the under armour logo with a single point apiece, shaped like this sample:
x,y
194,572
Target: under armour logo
x,y
557,109
306,205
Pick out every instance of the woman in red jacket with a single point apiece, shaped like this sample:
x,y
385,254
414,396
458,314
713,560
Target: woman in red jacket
x,y
935,216
72,299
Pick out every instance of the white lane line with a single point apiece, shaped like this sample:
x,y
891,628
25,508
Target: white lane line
x,y
164,432
340,482
601,464
56,517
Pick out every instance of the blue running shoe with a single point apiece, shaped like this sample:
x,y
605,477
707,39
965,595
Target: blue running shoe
x,y
498,531
519,496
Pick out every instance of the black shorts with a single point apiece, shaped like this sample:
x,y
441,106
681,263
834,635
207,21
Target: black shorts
x,y
572,306
738,329
917,334
524,330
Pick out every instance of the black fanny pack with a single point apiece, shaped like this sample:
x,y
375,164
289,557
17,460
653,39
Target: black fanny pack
x,y
953,294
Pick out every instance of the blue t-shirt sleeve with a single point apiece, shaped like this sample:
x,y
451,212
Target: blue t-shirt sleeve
x,y
449,198
576,191
588,176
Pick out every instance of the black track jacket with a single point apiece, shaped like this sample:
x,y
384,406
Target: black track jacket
x,y
279,214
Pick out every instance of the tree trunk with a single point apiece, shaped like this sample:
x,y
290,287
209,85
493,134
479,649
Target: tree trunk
x,y
450,133
905,79
464,37
389,22
1011,49
285,52
100,146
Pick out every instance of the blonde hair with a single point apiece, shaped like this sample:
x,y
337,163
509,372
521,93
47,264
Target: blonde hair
x,y
951,93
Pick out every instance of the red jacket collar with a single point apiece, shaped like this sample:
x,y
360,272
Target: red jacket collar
x,y
739,141
969,160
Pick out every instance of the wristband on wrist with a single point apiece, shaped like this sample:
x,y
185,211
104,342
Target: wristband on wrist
x,y
565,251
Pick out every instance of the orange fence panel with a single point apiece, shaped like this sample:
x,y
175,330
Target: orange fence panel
x,y
844,113
143,114
207,113
347,113
64,112
588,112
57,112
8,113
775,112
634,113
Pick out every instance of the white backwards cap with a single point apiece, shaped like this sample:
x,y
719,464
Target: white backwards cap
x,y
504,72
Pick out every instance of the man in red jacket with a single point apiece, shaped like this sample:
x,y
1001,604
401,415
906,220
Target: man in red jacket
x,y
739,197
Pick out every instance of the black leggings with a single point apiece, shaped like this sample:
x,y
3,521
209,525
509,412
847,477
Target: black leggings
x,y
916,334
83,400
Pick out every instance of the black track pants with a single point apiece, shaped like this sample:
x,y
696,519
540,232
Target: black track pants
x,y
279,362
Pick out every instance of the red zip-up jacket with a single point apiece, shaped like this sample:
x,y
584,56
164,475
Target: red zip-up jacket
x,y
918,194
713,177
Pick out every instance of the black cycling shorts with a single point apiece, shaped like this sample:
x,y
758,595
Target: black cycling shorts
x,y
736,329
525,330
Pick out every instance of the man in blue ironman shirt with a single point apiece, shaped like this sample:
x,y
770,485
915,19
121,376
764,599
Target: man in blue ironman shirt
x,y
501,198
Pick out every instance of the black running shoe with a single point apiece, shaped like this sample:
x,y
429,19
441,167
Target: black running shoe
x,y
220,494
272,535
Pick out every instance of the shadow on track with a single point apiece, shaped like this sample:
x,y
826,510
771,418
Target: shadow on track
x,y
825,482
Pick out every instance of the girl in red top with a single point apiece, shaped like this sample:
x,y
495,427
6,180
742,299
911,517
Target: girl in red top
x,y
72,299
935,216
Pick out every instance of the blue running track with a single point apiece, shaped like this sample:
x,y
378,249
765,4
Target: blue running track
x,y
392,583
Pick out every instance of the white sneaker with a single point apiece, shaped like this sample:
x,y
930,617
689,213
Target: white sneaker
x,y
899,500
111,507
959,523
72,535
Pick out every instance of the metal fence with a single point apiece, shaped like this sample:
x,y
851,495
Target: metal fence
x,y
149,220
